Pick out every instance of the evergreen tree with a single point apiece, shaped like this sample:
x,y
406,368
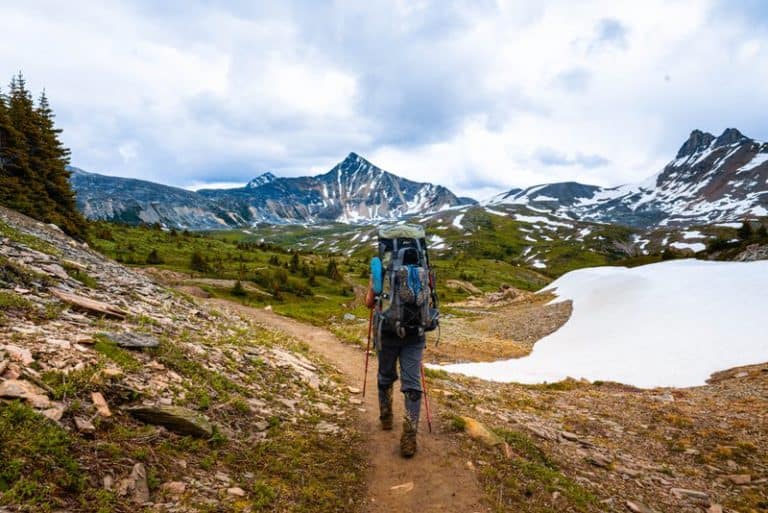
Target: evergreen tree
x,y
332,270
13,160
33,175
54,158
238,289
762,232
745,232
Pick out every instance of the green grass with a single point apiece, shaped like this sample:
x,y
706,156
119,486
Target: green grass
x,y
30,241
36,459
81,276
111,351
14,301
529,478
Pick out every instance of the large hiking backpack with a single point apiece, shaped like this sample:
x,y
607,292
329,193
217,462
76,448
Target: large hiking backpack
x,y
407,300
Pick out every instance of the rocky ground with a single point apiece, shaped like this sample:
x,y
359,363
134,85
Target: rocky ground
x,y
154,400
580,446
118,394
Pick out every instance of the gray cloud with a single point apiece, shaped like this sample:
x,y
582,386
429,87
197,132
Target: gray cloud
x,y
552,157
453,92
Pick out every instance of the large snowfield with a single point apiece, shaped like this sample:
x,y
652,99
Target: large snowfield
x,y
668,324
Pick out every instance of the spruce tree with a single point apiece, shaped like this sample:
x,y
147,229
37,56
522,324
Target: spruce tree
x,y
54,158
745,232
33,162
13,160
32,199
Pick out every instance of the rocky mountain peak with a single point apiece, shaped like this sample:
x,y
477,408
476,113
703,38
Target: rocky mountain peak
x,y
260,180
730,136
696,142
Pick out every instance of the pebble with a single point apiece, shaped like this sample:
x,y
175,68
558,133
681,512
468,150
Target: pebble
x,y
690,494
236,491
639,507
174,487
739,479
84,425
101,404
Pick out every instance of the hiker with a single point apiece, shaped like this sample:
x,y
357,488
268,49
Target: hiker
x,y
407,347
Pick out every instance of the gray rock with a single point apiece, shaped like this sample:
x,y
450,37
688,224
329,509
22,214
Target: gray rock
x,y
639,507
140,487
696,495
174,418
349,317
55,270
599,460
20,389
84,425
132,340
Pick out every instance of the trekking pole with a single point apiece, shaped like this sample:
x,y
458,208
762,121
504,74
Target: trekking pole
x,y
426,398
367,350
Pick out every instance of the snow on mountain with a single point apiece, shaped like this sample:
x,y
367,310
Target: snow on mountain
x,y
710,180
354,191
260,180
667,324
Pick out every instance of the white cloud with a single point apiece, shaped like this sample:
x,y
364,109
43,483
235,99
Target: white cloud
x,y
464,94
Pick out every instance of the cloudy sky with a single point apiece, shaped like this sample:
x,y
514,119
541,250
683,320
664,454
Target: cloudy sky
x,y
479,96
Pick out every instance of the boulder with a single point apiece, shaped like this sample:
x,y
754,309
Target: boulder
x,y
175,418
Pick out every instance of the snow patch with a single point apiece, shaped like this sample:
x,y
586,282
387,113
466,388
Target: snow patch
x,y
665,324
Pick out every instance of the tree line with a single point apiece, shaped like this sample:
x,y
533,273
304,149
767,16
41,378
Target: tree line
x,y
34,179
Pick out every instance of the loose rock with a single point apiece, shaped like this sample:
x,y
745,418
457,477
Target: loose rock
x,y
101,404
175,418
132,340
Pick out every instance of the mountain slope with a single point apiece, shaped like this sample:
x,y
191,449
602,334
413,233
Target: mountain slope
x,y
132,201
354,190
712,179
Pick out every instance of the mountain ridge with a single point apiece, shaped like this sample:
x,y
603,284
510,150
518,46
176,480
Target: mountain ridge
x,y
712,179
355,190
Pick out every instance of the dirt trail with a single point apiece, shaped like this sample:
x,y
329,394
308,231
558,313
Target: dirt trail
x,y
440,477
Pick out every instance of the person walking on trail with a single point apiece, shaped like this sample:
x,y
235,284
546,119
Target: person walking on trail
x,y
409,351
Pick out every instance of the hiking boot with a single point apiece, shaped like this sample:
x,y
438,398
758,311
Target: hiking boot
x,y
385,408
408,439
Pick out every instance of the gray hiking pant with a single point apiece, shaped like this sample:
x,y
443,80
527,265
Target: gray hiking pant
x,y
409,351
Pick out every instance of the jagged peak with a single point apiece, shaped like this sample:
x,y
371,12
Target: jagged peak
x,y
260,180
730,136
696,142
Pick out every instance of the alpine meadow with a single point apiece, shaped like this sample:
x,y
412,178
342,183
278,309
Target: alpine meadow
x,y
384,257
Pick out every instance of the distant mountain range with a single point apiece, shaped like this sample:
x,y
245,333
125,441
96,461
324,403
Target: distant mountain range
x,y
353,191
712,179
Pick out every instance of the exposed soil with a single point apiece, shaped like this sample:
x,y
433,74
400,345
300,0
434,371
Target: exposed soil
x,y
498,326
436,479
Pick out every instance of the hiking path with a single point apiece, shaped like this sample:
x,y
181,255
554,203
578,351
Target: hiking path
x,y
436,479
